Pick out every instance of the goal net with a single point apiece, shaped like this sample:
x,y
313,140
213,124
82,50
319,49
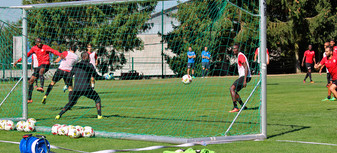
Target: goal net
x,y
141,52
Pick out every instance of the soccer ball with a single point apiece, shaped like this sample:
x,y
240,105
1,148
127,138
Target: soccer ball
x,y
63,130
79,128
9,125
31,121
20,125
54,129
109,76
28,127
187,79
88,131
73,133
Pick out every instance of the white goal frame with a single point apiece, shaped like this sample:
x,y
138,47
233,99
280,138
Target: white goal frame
x,y
208,140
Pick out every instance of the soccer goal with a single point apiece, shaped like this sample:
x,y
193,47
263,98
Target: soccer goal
x,y
141,49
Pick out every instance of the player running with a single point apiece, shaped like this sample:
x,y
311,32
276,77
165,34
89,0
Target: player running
x,y
241,82
309,56
42,52
83,72
328,76
205,61
330,62
63,71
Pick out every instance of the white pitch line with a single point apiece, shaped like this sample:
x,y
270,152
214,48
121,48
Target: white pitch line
x,y
316,143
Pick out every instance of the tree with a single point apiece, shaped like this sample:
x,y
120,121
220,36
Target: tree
x,y
111,28
294,24
215,24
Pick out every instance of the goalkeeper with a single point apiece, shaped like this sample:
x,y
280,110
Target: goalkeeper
x,y
83,72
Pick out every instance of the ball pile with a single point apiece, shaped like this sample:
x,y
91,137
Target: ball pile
x,y
72,131
26,126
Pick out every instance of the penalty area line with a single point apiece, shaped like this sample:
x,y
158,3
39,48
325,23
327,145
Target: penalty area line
x,y
304,142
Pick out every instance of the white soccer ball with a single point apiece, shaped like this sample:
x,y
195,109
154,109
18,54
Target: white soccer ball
x,y
63,130
31,120
88,131
73,133
54,129
79,129
20,125
187,79
109,76
2,124
28,127
9,125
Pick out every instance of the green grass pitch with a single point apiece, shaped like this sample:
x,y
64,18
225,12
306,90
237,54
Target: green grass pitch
x,y
295,112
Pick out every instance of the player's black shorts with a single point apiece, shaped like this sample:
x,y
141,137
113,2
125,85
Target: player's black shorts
x,y
190,65
205,65
67,78
36,70
89,93
46,69
308,65
239,83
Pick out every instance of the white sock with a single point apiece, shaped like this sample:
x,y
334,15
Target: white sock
x,y
93,85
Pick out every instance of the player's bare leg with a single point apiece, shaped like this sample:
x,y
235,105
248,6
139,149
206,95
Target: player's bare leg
x,y
234,95
333,89
188,71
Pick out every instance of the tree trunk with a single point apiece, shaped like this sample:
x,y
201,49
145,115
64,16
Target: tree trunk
x,y
297,62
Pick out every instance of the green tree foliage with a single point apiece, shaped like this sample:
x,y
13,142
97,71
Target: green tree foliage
x,y
215,24
294,24
112,29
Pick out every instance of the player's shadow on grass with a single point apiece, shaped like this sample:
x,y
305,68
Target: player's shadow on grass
x,y
272,84
73,108
294,128
252,108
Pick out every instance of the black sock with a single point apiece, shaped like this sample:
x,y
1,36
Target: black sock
x,y
240,102
30,91
329,97
310,76
50,87
99,112
41,80
206,72
235,104
203,74
306,76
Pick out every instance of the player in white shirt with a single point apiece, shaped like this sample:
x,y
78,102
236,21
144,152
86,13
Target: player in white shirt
x,y
93,61
63,71
241,82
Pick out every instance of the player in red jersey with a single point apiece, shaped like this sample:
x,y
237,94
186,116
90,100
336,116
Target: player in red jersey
x,y
330,63
42,52
328,76
309,56
93,61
